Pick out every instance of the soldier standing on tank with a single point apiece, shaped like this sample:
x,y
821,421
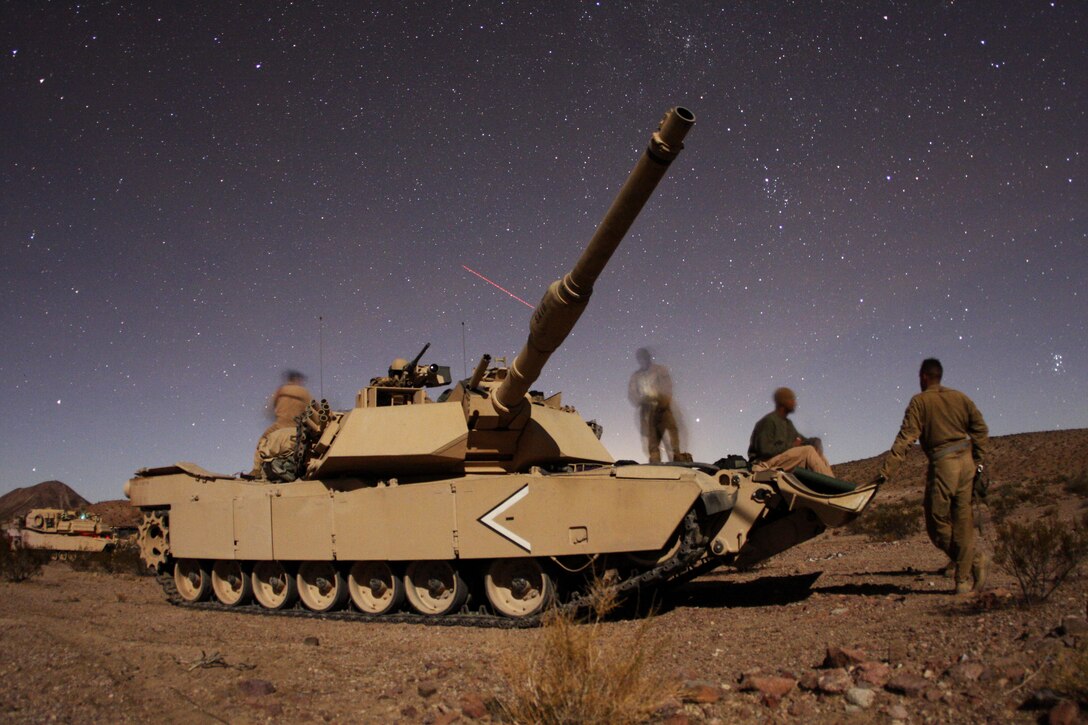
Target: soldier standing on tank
x,y
288,402
650,390
775,442
955,439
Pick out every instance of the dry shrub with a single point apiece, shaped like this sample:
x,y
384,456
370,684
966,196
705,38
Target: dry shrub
x,y
1005,498
1070,674
123,558
18,564
888,521
1041,554
575,672
1076,484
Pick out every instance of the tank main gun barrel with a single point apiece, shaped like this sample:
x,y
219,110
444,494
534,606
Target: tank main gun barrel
x,y
566,299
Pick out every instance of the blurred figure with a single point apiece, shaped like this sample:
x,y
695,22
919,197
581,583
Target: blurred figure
x,y
776,443
287,403
650,391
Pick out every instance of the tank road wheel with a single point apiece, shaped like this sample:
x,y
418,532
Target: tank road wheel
x,y
374,588
321,587
434,587
518,587
273,587
231,584
192,580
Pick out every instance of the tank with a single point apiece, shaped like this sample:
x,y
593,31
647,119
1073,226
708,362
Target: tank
x,y
62,533
491,501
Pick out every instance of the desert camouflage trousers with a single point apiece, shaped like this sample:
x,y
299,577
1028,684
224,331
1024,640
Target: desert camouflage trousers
x,y
949,520
657,422
269,446
797,457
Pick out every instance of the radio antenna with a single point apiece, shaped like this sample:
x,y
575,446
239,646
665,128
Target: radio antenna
x,y
464,349
321,355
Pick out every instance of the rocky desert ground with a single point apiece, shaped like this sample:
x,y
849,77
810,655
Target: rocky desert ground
x,y
841,629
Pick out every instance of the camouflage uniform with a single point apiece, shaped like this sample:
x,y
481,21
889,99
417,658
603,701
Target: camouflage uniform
x,y
954,437
771,446
651,390
288,402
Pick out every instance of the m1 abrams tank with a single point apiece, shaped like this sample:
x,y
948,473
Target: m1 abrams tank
x,y
493,494
62,533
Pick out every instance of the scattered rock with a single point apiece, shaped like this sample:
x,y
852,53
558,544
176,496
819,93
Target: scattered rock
x,y
773,689
843,657
409,712
1065,712
669,707
873,673
256,688
802,709
1043,699
701,691
898,712
311,642
839,611
694,712
445,718
861,696
473,705
966,672
907,684
272,709
426,688
834,682
1075,626
994,599
809,681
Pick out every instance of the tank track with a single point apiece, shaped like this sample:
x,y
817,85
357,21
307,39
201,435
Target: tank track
x,y
691,559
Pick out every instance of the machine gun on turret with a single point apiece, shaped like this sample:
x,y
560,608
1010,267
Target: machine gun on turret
x,y
410,374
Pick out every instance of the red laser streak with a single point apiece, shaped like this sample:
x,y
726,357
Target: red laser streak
x,y
498,286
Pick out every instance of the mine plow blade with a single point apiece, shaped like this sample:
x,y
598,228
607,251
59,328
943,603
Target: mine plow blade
x,y
834,501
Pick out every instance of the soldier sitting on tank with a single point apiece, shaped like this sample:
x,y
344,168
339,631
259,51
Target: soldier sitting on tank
x,y
776,443
288,402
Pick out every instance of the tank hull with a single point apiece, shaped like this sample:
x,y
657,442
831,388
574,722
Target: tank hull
x,y
469,517
63,542
566,528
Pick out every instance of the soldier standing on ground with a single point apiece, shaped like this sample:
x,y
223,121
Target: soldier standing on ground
x,y
954,437
288,402
775,442
650,390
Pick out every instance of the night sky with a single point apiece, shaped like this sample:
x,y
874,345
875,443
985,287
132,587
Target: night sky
x,y
186,189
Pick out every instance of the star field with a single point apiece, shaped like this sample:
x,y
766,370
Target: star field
x,y
186,190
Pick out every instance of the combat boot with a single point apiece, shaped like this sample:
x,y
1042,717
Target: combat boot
x,y
980,569
964,588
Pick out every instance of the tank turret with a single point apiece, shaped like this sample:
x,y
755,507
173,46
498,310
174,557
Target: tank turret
x,y
491,422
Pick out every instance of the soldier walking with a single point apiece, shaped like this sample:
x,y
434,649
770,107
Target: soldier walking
x,y
955,438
